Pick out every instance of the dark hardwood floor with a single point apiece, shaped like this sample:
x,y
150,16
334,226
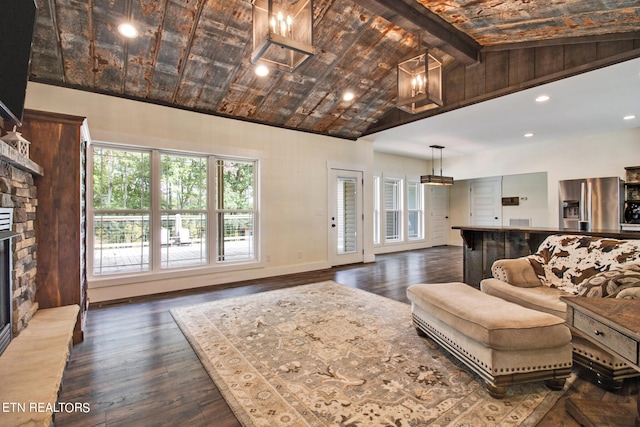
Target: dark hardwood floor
x,y
136,368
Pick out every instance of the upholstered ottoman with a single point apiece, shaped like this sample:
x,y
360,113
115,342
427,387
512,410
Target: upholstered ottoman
x,y
502,342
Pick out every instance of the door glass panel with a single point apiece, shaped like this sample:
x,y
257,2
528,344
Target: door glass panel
x,y
346,219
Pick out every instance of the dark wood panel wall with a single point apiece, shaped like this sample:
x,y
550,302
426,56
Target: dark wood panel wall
x,y
57,146
505,70
509,70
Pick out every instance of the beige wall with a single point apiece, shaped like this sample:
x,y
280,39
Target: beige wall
x,y
531,190
390,163
293,179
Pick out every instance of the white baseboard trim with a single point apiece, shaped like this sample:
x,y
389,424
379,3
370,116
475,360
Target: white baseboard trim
x,y
131,290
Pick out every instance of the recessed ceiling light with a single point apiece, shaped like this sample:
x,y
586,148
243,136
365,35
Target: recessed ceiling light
x,y
348,96
128,30
528,134
262,70
543,98
629,117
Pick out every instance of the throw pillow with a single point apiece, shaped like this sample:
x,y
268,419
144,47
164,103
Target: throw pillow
x,y
610,283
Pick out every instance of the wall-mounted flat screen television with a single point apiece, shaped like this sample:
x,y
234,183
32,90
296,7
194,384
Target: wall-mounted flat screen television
x,y
17,20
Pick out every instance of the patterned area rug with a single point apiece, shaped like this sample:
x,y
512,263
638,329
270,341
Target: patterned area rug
x,y
327,355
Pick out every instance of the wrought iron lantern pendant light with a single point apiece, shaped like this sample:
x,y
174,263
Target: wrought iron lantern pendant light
x,y
282,33
419,83
434,179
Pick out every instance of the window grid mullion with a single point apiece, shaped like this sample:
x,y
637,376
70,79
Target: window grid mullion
x,y
156,217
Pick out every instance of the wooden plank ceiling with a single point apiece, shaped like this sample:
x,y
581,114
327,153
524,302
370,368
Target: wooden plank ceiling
x,y
194,54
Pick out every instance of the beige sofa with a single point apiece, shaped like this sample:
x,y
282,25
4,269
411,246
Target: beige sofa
x,y
566,265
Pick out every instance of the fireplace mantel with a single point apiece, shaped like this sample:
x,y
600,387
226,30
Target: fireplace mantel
x,y
13,157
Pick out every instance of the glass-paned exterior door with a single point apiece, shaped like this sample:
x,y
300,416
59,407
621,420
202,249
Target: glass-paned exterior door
x,y
345,217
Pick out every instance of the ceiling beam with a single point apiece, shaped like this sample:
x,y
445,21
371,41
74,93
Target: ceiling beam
x,y
612,37
413,17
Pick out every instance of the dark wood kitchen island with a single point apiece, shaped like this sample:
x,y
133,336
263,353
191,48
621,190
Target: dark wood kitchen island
x,y
485,244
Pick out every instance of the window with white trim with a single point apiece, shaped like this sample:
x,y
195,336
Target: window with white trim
x,y
415,210
393,209
183,188
235,210
153,210
121,219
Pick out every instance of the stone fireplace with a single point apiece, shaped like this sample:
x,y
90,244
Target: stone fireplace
x,y
6,320
18,203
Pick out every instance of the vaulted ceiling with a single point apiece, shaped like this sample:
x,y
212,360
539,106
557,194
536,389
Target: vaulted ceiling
x,y
195,54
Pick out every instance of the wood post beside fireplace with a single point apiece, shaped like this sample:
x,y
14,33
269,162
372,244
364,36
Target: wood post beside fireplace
x,y
58,144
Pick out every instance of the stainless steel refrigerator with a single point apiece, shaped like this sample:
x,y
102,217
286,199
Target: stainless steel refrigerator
x,y
591,203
